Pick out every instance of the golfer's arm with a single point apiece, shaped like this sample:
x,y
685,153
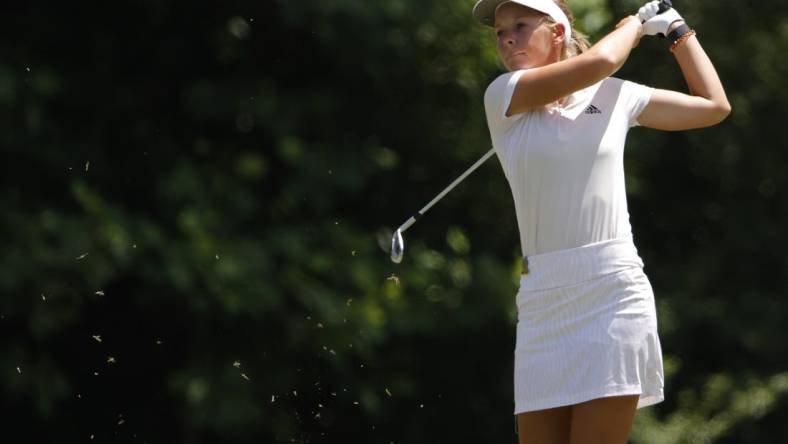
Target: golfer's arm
x,y
705,105
539,86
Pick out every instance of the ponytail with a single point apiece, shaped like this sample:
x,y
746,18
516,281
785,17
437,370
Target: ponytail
x,y
576,46
579,43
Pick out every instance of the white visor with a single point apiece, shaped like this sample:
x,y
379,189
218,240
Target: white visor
x,y
484,12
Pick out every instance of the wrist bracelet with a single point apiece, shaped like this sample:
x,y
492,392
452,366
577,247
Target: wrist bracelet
x,y
678,32
683,38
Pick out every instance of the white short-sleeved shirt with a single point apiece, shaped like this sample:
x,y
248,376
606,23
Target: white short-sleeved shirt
x,y
565,165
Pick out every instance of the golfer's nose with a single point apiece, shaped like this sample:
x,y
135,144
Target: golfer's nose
x,y
508,39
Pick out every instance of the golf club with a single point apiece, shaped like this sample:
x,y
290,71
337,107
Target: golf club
x,y
397,244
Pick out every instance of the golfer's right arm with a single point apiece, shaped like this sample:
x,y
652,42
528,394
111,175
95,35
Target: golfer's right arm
x,y
540,86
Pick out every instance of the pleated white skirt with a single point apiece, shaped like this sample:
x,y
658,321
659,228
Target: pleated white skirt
x,y
587,329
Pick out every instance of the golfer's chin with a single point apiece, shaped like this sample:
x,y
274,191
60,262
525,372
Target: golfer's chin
x,y
518,62
519,66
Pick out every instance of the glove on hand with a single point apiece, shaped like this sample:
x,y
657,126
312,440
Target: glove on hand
x,y
654,23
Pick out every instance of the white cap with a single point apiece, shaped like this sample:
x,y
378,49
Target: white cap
x,y
484,12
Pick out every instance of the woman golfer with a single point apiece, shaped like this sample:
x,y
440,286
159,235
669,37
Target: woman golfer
x,y
587,354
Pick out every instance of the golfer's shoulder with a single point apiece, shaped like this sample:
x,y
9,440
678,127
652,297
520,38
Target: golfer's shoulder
x,y
501,84
623,85
501,89
614,88
612,83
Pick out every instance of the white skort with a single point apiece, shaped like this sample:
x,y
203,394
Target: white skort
x,y
587,328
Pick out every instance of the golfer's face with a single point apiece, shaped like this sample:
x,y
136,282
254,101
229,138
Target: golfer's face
x,y
523,40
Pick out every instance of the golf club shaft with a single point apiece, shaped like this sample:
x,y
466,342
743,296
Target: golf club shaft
x,y
421,212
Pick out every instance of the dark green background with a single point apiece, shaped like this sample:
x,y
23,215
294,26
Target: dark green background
x,y
198,197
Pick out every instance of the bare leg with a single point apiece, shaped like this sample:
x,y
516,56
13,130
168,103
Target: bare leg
x,y
550,426
604,420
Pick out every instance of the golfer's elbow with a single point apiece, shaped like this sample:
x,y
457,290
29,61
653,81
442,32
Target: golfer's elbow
x,y
719,111
711,115
724,110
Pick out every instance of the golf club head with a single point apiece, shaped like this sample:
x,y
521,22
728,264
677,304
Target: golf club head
x,y
397,247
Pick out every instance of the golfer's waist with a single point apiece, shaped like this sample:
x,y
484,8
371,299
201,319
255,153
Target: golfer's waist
x,y
571,266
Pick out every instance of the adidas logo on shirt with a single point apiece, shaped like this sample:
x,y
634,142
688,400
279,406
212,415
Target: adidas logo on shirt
x,y
592,110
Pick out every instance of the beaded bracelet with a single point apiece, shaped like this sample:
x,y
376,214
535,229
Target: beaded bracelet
x,y
682,39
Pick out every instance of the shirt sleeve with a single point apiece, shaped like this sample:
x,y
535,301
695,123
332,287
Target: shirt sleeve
x,y
497,99
635,98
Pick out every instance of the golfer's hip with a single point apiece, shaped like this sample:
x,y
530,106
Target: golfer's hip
x,y
573,266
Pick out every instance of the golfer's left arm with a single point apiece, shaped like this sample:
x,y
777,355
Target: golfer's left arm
x,y
705,105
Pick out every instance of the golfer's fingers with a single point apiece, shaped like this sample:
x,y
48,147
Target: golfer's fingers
x,y
649,10
653,8
642,14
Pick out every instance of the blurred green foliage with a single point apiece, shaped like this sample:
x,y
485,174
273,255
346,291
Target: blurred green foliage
x,y
200,196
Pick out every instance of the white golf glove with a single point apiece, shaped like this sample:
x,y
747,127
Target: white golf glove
x,y
654,23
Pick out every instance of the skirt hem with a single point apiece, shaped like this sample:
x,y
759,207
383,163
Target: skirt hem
x,y
650,398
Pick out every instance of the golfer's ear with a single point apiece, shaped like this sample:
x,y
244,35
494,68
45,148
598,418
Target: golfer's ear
x,y
559,33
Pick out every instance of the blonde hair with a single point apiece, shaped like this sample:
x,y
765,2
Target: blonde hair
x,y
579,42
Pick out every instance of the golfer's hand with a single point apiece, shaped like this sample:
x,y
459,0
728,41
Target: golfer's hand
x,y
654,23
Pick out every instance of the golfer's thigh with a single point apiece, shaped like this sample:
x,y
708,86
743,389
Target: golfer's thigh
x,y
549,426
603,420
